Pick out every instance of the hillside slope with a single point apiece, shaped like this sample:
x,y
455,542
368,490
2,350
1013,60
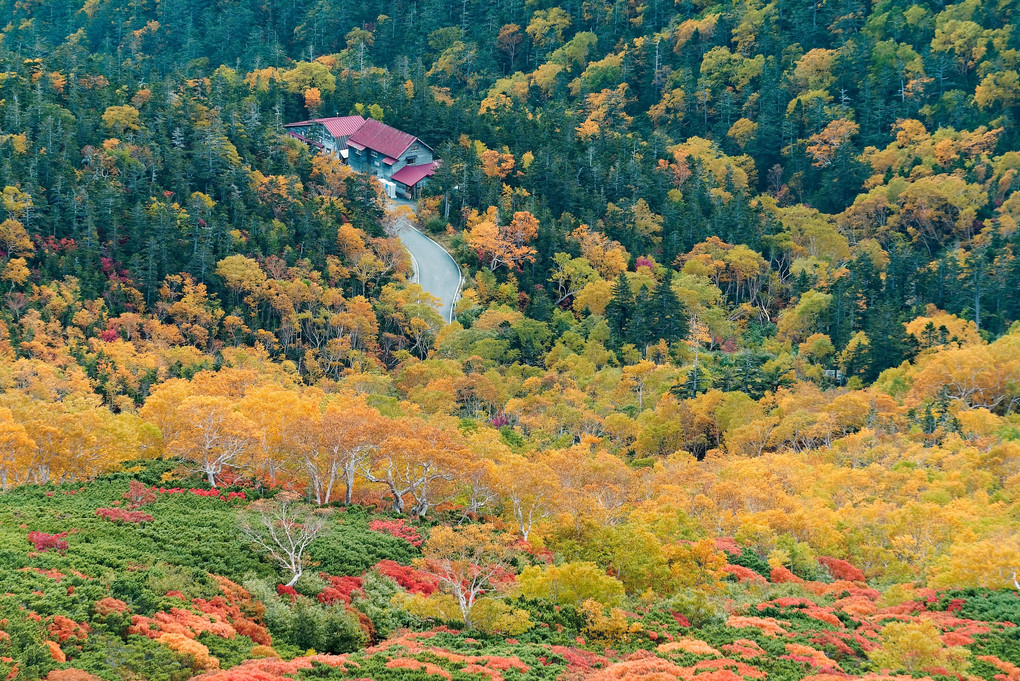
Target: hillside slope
x,y
172,593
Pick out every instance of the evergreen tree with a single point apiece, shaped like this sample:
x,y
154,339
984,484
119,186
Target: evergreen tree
x,y
666,317
620,306
889,345
638,329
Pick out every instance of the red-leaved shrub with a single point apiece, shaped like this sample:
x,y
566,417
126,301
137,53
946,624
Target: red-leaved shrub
x,y
43,541
840,569
782,575
139,495
71,674
109,606
64,628
340,589
399,529
414,581
119,515
744,574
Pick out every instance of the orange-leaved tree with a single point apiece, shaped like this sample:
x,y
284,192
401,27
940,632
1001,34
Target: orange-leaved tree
x,y
416,458
498,245
335,441
206,430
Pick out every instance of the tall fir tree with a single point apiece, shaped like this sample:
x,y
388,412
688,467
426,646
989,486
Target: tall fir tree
x,y
666,317
618,310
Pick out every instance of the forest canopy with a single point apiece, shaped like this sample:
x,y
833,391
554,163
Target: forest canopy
x,y
731,387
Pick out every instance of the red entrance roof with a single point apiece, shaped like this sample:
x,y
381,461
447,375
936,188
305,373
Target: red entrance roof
x,y
382,138
412,175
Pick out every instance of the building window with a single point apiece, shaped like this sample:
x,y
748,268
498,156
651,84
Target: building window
x,y
411,160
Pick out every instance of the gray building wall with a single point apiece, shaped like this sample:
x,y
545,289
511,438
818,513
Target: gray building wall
x,y
370,161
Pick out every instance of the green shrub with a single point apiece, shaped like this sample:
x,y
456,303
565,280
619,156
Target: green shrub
x,y
436,225
305,623
750,559
376,604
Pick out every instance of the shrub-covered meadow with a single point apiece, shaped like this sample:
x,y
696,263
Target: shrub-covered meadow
x,y
169,587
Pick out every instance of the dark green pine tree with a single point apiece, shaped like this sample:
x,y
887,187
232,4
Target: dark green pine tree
x,y
889,345
619,308
638,327
666,317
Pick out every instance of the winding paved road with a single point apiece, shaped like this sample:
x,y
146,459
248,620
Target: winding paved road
x,y
434,268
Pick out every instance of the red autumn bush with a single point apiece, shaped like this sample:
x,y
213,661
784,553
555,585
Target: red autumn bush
x,y
744,575
414,581
741,669
273,669
643,667
808,655
691,646
340,589
681,619
399,529
782,575
1012,671
180,621
199,654
766,625
727,545
833,639
64,628
745,648
577,659
71,674
55,652
43,541
426,668
139,495
282,590
841,569
55,575
222,609
119,515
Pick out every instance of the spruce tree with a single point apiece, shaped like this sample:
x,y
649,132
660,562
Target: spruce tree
x,y
666,316
888,343
638,329
618,310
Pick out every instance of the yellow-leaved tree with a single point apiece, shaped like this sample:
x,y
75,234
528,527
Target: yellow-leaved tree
x,y
917,647
468,562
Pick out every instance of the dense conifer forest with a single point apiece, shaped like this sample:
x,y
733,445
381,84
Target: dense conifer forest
x,y
731,390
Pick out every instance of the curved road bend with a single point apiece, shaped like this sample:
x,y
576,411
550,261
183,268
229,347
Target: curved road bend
x,y
434,268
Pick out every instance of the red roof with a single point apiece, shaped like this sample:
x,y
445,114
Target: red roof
x,y
412,175
338,126
382,138
343,126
